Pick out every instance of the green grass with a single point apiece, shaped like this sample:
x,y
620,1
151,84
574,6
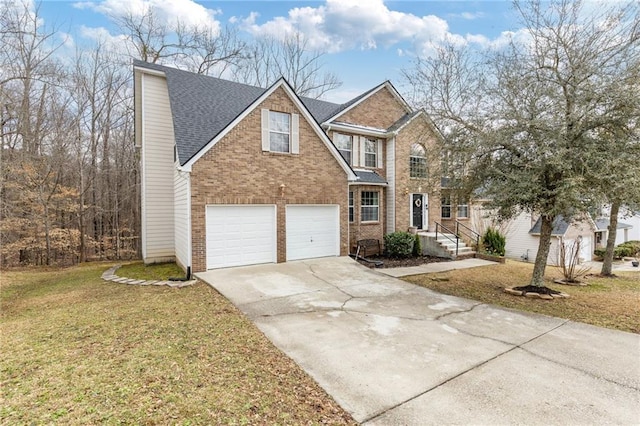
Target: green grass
x,y
605,302
156,271
78,350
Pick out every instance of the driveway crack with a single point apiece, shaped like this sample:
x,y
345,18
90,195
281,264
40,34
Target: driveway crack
x,y
518,346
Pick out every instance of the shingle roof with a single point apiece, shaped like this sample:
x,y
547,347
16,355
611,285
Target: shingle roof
x,y
403,120
560,226
369,176
203,106
603,224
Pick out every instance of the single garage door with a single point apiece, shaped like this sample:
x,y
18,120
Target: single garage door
x,y
586,249
313,231
240,235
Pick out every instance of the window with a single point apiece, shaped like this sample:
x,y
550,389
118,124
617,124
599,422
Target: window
x,y
417,161
446,207
371,153
369,206
279,131
463,209
344,143
351,207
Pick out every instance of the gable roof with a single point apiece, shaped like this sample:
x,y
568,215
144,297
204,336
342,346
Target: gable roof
x,y
361,98
560,226
602,224
203,106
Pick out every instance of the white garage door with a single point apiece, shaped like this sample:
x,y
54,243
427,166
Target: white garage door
x,y
240,235
313,231
586,249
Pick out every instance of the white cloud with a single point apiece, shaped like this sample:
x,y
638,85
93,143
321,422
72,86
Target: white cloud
x,y
118,43
169,11
340,25
469,16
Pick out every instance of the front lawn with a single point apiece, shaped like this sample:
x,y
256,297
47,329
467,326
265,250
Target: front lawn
x,y
605,302
78,350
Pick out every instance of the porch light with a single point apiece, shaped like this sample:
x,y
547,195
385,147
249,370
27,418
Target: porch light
x,y
282,188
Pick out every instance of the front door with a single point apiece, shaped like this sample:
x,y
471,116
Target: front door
x,y
418,210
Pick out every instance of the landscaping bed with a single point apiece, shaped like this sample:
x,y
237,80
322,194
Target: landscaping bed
x,y
390,262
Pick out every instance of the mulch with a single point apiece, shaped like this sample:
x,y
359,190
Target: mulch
x,y
390,262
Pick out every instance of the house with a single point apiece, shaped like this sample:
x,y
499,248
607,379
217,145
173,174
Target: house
x,y
628,228
523,237
235,175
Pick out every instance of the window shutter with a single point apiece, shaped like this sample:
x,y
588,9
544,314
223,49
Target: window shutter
x,y
295,134
265,130
355,151
379,154
362,150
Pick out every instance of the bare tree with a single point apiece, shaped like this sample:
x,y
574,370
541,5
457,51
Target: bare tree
x,y
532,111
270,59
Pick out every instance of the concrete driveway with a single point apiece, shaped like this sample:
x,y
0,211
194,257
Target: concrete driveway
x,y
393,353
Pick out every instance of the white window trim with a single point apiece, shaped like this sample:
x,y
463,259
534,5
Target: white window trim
x,y
362,205
294,132
375,153
466,204
442,205
424,158
351,146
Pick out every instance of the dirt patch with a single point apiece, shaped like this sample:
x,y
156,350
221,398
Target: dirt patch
x,y
389,262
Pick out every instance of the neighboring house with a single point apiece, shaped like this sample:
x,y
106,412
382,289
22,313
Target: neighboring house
x,y
602,232
523,237
628,228
234,175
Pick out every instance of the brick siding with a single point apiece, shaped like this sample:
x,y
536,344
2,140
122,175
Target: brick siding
x,y
236,171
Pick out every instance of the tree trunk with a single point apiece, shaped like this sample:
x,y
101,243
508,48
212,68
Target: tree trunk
x,y
543,250
611,239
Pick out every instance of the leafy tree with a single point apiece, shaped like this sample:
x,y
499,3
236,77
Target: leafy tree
x,y
528,116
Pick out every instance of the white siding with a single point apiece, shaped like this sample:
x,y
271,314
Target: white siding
x,y
519,241
182,207
157,159
391,189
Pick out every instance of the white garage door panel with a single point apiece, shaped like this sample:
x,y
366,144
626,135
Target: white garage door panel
x,y
312,231
240,235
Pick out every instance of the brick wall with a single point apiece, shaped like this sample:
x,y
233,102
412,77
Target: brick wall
x,y
366,230
380,110
236,171
417,131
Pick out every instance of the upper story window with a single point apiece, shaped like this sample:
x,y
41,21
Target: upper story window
x,y
417,161
280,132
371,153
344,143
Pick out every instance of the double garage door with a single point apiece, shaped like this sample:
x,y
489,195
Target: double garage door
x,y
240,235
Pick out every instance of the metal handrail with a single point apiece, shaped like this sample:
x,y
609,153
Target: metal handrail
x,y
456,242
474,233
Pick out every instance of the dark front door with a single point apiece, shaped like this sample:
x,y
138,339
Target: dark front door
x,y
417,203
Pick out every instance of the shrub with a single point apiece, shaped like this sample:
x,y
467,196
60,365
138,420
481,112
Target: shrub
x,y
600,252
628,249
494,242
632,248
399,244
417,246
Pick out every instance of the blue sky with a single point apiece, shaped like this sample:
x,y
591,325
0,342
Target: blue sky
x,y
367,41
